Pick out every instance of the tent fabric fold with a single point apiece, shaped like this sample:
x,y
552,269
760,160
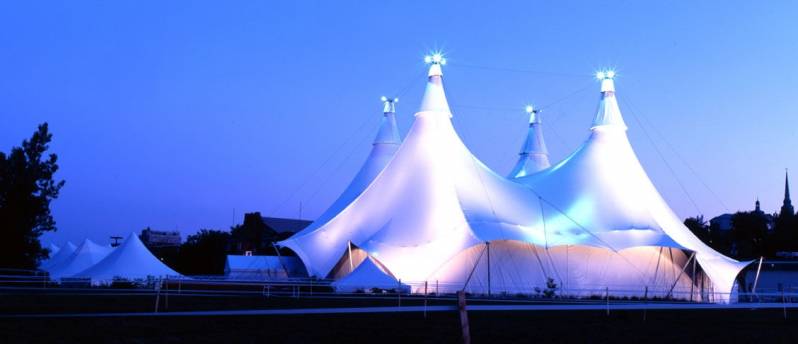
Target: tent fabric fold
x,y
131,260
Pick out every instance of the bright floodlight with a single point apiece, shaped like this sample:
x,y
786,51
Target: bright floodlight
x,y
436,58
600,75
384,98
610,74
530,109
395,100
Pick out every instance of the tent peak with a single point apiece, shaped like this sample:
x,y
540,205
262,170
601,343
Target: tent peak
x,y
608,114
389,104
533,114
435,60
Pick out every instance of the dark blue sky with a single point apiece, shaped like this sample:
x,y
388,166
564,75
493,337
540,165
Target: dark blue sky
x,y
173,115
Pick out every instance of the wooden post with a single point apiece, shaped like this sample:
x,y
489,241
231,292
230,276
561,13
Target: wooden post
x,y
399,292
645,298
692,281
461,307
166,296
157,294
425,299
783,303
487,247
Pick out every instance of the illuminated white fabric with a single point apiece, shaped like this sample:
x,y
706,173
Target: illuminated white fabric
x,y
131,260
603,187
86,255
383,148
534,156
434,201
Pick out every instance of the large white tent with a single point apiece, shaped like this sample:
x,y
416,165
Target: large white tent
x,y
57,258
592,222
86,255
131,260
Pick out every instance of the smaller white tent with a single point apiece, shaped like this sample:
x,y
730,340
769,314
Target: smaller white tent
x,y
131,260
263,267
367,276
53,249
58,257
86,255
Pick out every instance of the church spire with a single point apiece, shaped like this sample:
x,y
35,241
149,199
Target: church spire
x,y
786,208
534,156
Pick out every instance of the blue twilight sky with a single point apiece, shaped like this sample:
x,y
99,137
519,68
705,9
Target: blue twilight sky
x,y
187,114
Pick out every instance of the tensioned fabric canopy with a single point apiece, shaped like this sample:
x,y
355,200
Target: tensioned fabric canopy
x,y
86,255
57,258
131,260
534,155
434,202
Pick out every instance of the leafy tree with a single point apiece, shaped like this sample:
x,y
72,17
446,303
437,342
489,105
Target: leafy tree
x,y
26,189
204,253
699,227
748,233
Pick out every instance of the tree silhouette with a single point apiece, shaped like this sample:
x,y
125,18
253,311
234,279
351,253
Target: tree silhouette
x,y
699,227
26,189
204,253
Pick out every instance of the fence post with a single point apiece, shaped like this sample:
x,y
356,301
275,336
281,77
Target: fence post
x,y
645,303
399,292
461,307
166,296
425,299
157,294
783,303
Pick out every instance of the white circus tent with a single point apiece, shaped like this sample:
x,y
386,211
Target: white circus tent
x,y
436,213
534,156
86,255
131,260
56,258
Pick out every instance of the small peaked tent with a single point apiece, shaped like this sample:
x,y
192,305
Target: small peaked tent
x,y
131,260
53,249
57,258
367,276
534,156
86,255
